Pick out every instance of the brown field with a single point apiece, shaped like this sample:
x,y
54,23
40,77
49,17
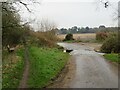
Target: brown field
x,y
85,36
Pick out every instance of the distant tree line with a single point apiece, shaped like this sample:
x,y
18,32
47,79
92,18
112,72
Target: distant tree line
x,y
75,30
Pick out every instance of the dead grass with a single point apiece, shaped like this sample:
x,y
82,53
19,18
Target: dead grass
x,y
47,38
86,36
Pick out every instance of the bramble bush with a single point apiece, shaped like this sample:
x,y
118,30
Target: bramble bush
x,y
47,38
101,36
68,37
111,44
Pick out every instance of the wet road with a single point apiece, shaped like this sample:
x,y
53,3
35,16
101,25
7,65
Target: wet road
x,y
92,70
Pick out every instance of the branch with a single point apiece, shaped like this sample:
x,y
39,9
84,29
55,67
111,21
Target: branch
x,y
12,25
24,4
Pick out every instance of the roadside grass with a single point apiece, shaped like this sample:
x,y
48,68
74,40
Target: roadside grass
x,y
72,41
112,57
12,68
45,65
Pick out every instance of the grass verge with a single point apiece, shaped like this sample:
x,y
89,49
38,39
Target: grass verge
x,y
45,64
12,69
112,57
72,41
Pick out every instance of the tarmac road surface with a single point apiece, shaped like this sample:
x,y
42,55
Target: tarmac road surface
x,y
92,70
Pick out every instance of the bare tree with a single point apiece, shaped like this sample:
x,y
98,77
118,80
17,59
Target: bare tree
x,y
24,3
45,25
107,4
15,6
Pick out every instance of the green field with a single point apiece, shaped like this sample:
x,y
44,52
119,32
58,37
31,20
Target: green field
x,y
112,57
45,64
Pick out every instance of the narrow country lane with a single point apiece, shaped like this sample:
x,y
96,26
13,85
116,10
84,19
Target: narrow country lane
x,y
92,70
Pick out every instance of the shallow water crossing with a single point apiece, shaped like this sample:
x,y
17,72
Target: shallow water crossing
x,y
92,70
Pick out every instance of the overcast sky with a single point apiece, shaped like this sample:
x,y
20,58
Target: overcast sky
x,y
68,13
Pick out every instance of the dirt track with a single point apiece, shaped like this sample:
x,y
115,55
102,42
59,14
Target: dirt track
x,y
23,82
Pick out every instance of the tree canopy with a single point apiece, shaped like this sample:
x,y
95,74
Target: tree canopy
x,y
12,30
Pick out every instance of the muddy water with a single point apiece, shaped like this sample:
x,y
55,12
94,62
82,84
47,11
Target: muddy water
x,y
92,70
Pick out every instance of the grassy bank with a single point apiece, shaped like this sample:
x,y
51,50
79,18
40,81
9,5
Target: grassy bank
x,y
12,68
45,64
72,41
112,57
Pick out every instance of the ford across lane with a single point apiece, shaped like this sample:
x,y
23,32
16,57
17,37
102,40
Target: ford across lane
x,y
92,70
